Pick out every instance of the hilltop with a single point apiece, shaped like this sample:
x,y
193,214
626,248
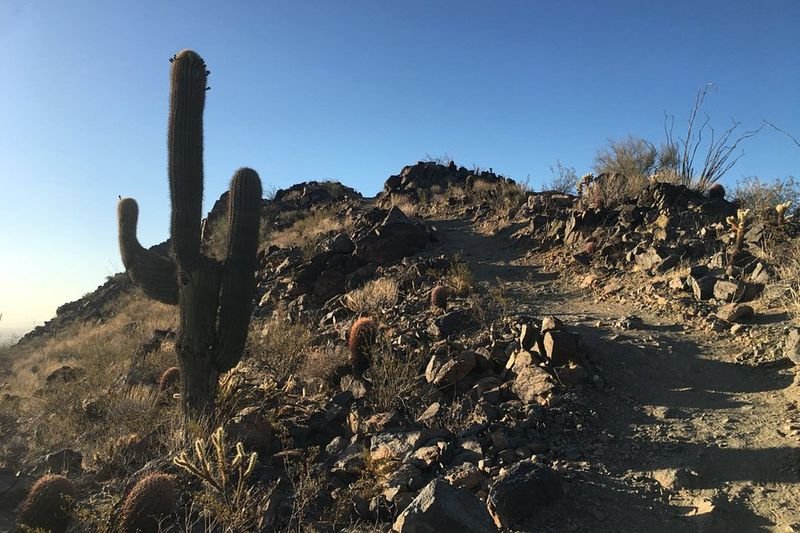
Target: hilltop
x,y
535,361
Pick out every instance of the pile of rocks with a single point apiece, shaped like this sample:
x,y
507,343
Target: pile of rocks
x,y
427,175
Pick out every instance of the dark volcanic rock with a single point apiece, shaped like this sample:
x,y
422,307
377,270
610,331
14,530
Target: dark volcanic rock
x,y
396,237
451,323
522,491
441,508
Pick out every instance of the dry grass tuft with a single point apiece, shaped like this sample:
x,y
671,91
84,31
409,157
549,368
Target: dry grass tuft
x,y
459,277
404,204
306,231
375,297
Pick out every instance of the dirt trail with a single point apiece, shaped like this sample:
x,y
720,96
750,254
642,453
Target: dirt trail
x,y
667,397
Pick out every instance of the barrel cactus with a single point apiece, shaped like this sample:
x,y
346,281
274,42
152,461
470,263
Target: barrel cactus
x,y
360,340
150,500
169,378
49,504
214,296
439,297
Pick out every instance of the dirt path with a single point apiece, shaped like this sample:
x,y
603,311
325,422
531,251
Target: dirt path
x,y
669,402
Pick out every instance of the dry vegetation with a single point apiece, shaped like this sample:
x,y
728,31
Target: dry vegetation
x,y
305,229
373,298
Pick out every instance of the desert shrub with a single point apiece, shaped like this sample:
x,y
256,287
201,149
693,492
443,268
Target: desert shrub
x,y
789,273
376,296
279,344
396,378
404,203
564,179
627,166
761,196
323,363
632,157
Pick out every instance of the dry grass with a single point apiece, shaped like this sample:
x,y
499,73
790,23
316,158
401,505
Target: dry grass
x,y
458,277
396,377
94,409
761,196
279,344
306,231
322,364
375,297
404,204
789,272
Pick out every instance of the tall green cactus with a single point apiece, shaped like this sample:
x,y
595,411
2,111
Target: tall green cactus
x,y
214,297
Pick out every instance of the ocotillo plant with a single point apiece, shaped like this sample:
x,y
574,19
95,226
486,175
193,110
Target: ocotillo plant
x,y
214,297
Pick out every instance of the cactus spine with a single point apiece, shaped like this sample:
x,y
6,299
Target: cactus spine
x,y
214,297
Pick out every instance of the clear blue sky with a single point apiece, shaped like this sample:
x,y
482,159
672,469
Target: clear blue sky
x,y
350,90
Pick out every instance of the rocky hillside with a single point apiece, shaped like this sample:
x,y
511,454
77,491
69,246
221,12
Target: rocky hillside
x,y
457,354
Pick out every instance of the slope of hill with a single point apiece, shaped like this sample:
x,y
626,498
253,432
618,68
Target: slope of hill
x,y
583,368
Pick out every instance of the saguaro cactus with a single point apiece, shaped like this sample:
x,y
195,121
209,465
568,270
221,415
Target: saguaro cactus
x,y
214,297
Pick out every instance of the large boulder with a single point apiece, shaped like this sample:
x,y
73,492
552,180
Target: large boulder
x,y
524,489
394,238
442,508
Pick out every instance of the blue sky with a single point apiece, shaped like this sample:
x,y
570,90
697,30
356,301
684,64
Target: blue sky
x,y
349,90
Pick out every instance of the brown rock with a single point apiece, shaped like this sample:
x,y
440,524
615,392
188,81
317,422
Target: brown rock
x,y
735,313
561,347
442,508
521,492
532,384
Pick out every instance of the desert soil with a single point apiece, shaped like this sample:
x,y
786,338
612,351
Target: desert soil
x,y
682,429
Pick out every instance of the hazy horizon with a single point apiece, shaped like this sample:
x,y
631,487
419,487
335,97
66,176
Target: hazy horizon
x,y
351,92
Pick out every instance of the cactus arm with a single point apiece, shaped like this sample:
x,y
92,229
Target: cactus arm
x,y
185,142
238,283
155,274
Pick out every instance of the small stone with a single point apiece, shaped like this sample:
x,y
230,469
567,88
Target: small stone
x,y
465,476
550,323
791,348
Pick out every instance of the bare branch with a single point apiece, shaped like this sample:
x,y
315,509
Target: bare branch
x,y
773,126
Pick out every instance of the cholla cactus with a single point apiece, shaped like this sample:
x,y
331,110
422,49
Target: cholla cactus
x,y
584,182
739,225
781,210
227,478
